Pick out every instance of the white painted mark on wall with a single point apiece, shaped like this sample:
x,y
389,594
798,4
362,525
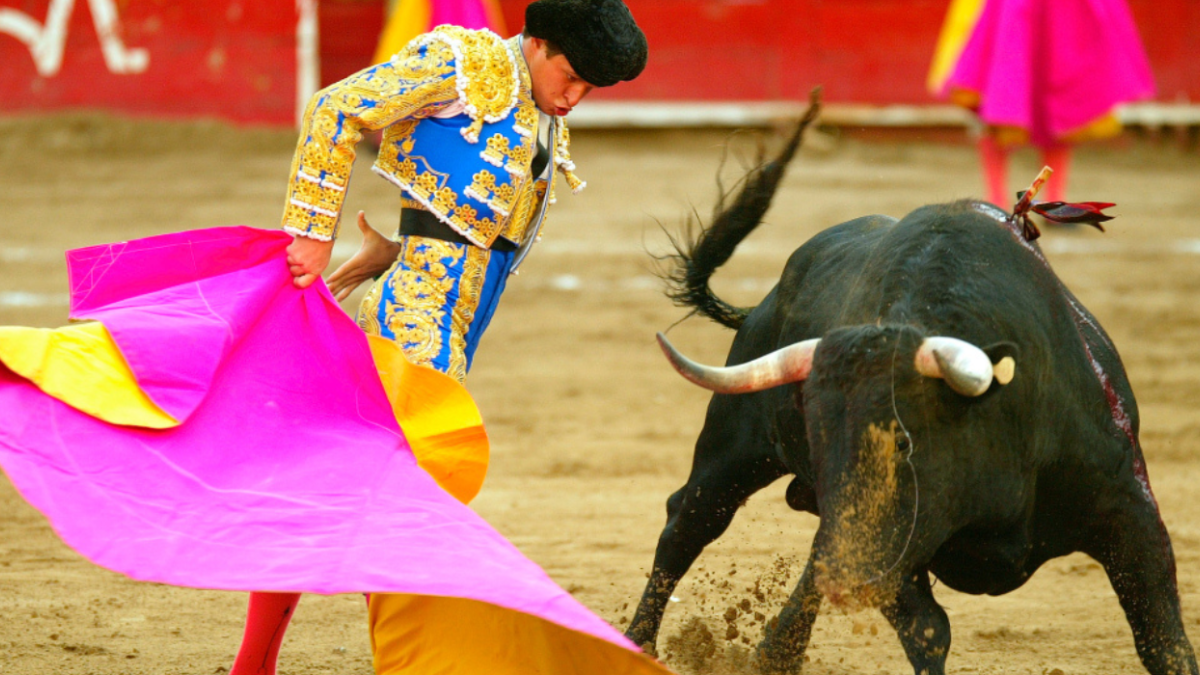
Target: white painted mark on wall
x,y
47,41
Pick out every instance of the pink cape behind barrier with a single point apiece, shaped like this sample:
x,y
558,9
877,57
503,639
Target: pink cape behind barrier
x,y
1051,67
288,471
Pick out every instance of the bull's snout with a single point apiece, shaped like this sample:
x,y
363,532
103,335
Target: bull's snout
x,y
865,522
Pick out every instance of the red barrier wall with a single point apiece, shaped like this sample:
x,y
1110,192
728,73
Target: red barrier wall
x,y
237,59
349,32
228,58
862,51
1171,33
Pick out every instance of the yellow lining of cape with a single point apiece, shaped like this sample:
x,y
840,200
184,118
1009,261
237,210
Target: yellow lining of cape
x,y
439,418
81,366
420,634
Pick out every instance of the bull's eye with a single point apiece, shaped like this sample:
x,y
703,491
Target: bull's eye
x,y
903,444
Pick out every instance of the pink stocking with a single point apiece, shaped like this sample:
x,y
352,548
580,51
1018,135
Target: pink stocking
x,y
266,620
994,158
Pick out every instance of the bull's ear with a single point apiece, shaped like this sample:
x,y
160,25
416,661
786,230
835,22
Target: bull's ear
x,y
1003,356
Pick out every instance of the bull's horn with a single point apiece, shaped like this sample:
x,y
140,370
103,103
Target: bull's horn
x,y
782,366
964,366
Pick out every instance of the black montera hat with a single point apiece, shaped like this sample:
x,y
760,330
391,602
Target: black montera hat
x,y
600,39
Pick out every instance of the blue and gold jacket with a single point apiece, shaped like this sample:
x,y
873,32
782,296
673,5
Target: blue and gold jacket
x,y
459,121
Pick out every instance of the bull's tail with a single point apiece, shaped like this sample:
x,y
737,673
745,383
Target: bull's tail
x,y
737,213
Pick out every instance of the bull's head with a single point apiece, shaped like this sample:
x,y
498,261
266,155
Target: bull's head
x,y
871,396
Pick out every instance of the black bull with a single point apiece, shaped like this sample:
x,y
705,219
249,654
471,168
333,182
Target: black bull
x,y
909,476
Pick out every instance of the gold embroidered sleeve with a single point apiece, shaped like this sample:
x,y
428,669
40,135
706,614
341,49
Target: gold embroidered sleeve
x,y
418,82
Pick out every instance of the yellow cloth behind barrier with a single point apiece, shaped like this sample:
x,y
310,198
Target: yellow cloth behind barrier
x,y
409,19
960,21
81,366
495,16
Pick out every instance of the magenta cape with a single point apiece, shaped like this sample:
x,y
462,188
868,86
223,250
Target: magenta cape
x,y
1051,67
289,471
465,13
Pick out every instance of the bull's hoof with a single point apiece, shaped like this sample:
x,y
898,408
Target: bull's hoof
x,y
770,660
642,639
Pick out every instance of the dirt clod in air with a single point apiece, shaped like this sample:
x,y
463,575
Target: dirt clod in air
x,y
693,647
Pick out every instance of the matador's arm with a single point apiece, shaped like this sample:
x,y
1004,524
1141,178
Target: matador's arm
x,y
416,83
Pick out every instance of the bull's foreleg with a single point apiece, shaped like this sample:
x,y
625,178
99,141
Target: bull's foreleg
x,y
787,636
921,624
1138,559
696,515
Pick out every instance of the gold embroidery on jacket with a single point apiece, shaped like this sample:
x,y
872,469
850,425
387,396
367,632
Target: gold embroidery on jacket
x,y
514,157
519,160
445,200
488,80
456,65
412,85
526,117
497,150
523,212
503,201
482,184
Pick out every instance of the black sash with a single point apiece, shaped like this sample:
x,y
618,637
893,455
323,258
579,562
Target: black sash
x,y
421,223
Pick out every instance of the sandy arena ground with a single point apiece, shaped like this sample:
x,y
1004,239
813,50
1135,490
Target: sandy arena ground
x,y
591,429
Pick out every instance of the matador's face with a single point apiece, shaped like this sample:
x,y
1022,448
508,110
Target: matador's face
x,y
556,87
